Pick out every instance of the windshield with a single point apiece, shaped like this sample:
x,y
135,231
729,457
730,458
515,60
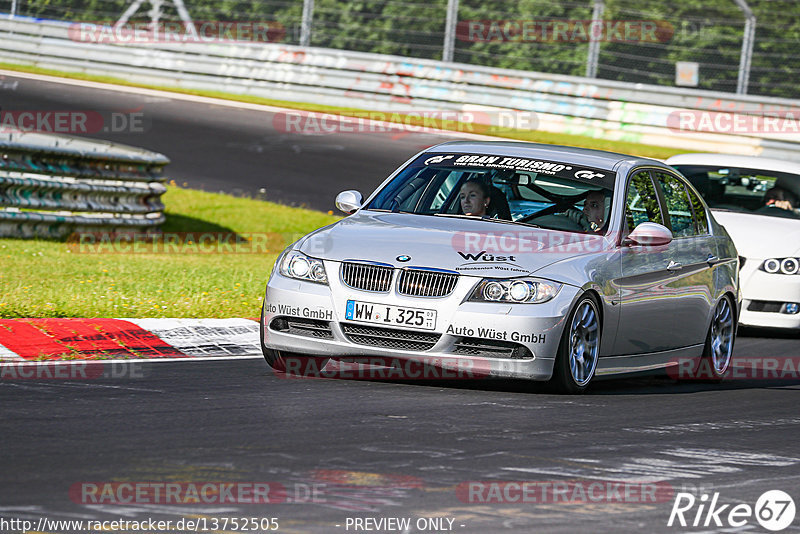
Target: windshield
x,y
746,190
548,194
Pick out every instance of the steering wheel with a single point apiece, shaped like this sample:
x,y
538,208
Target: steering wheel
x,y
577,216
561,203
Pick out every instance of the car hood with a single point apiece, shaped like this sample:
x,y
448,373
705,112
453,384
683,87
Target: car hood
x,y
472,247
761,236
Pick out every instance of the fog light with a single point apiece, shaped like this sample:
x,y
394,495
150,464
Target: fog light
x,y
791,308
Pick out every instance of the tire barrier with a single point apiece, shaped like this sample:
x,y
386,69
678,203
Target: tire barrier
x,y
52,186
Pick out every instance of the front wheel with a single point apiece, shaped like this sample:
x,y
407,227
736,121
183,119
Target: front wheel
x,y
288,362
579,349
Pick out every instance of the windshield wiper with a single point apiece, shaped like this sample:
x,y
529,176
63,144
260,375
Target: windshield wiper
x,y
459,216
488,219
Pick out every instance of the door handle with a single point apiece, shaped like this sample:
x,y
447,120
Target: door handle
x,y
712,260
674,266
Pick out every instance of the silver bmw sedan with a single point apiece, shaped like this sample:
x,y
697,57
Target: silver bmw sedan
x,y
512,259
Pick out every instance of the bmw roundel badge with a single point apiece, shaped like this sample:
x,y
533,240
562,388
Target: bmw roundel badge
x,y
403,258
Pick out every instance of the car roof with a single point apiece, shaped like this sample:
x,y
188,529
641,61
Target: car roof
x,y
599,159
736,161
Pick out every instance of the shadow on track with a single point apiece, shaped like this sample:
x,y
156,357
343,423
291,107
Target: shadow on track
x,y
631,385
762,332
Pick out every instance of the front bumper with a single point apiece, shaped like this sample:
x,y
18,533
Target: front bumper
x,y
536,327
764,295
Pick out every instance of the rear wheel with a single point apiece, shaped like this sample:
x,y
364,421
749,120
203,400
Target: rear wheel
x,y
579,350
718,349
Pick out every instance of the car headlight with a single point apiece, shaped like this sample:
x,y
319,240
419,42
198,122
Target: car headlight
x,y
515,290
781,266
298,265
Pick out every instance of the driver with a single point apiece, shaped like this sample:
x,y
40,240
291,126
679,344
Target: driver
x,y
592,218
780,202
594,209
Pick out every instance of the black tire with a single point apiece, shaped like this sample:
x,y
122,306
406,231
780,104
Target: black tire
x,y
280,361
572,373
718,348
272,357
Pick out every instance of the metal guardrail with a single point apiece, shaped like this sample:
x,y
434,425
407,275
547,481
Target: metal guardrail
x,y
52,186
562,104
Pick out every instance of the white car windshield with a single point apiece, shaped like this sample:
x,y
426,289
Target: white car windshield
x,y
548,194
746,190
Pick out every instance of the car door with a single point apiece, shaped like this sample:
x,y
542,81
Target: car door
x,y
692,255
645,317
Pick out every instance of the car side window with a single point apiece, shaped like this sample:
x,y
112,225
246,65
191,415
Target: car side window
x,y
641,202
444,191
701,220
679,209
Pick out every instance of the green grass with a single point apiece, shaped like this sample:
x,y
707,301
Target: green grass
x,y
625,147
57,279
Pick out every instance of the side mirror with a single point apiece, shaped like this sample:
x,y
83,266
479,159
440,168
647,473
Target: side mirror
x,y
649,234
348,201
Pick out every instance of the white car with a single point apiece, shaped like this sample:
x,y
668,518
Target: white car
x,y
758,201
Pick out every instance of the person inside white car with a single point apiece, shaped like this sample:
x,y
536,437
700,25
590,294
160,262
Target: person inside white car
x,y
780,202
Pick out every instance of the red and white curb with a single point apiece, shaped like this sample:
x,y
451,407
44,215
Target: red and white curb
x,y
99,339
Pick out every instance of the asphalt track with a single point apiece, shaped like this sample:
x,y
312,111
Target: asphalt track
x,y
239,151
377,449
374,448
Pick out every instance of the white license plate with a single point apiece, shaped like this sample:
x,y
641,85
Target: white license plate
x,y
369,312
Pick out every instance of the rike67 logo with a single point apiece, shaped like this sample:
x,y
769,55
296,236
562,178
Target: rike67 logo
x,y
774,510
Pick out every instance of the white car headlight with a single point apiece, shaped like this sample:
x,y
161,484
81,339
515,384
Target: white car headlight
x,y
781,266
298,265
515,290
